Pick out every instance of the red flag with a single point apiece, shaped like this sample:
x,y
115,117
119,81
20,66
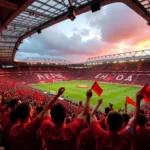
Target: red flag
x,y
20,93
14,83
146,93
130,101
28,92
36,95
97,89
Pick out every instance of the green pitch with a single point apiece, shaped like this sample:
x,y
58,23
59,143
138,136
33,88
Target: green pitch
x,y
112,93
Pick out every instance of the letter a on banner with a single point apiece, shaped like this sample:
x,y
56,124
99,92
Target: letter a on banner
x,y
129,78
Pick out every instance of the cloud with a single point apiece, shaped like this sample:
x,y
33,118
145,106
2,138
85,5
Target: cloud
x,y
120,23
54,43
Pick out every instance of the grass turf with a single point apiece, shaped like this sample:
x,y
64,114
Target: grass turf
x,y
113,93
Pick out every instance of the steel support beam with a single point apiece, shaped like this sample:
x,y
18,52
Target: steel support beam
x,y
16,13
9,36
8,4
7,42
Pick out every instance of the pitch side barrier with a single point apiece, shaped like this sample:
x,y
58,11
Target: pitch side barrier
x,y
135,85
122,84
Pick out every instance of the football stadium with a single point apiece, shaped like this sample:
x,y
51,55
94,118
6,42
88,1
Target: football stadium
x,y
74,74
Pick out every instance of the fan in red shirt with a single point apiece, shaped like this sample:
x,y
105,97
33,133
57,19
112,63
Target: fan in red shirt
x,y
7,124
3,107
102,121
141,138
126,119
112,139
26,135
86,140
59,136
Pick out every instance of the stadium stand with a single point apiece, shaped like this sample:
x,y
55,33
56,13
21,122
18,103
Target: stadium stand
x,y
134,73
33,120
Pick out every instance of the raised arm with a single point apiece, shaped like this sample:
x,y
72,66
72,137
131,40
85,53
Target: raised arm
x,y
133,120
125,109
93,112
46,111
86,109
95,109
79,108
111,106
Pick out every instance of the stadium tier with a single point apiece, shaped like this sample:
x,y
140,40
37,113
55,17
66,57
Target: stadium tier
x,y
133,73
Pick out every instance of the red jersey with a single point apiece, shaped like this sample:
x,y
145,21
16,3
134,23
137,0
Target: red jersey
x,y
86,140
1,117
124,125
141,139
2,109
27,136
6,125
60,137
108,140
5,115
102,123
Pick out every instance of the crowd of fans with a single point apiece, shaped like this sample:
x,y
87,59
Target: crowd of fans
x,y
49,123
140,72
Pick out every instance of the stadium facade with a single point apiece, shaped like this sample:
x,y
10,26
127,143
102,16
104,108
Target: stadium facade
x,y
130,68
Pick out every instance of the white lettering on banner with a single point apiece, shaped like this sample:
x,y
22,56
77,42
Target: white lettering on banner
x,y
129,78
40,76
52,75
60,76
97,76
103,76
47,76
119,77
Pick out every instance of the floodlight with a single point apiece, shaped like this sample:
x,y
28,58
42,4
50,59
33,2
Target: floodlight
x,y
71,14
21,41
39,31
95,6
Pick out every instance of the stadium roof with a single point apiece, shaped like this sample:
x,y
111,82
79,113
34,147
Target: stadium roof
x,y
20,19
35,60
135,55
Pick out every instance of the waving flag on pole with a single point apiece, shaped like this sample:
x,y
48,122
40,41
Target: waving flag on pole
x,y
13,85
130,101
97,89
28,92
20,93
36,95
146,93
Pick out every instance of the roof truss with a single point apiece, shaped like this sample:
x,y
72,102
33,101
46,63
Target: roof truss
x,y
27,16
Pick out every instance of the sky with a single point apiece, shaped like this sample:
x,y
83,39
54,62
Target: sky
x,y
114,29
